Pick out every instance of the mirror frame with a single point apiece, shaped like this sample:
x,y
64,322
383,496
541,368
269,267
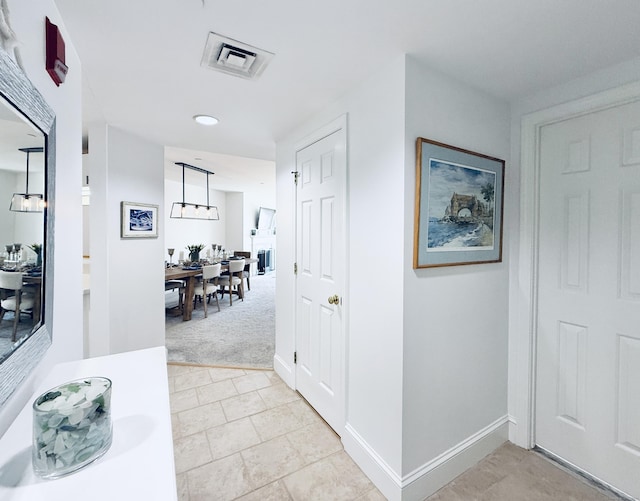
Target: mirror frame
x,y
18,90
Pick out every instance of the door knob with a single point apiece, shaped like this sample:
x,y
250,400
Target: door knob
x,y
335,299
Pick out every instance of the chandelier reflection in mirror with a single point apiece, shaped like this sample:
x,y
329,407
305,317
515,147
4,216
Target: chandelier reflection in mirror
x,y
187,210
28,202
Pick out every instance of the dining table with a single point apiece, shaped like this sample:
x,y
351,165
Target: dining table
x,y
189,276
32,283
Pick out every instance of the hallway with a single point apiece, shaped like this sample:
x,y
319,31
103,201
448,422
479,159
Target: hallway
x,y
243,434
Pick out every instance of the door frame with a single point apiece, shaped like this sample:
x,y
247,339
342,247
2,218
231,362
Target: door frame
x,y
340,123
523,323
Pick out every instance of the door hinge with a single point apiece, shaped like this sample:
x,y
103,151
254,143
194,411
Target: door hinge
x,y
295,176
295,357
295,268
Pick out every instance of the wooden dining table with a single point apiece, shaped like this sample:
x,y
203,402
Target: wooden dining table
x,y
32,283
189,276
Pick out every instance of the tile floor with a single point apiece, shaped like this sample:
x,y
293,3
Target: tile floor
x,y
243,434
514,474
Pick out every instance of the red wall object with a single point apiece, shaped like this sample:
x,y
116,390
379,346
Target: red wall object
x,y
55,64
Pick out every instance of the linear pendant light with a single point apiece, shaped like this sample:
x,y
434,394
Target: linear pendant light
x,y
28,202
185,210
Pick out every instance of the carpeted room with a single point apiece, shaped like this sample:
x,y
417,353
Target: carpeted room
x,y
239,335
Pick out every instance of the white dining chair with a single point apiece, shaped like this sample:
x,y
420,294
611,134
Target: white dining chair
x,y
13,298
208,287
234,278
246,274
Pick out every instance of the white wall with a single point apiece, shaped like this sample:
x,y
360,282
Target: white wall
x,y
136,265
182,232
234,218
420,380
254,198
95,161
376,238
27,19
8,181
127,299
238,212
86,231
455,318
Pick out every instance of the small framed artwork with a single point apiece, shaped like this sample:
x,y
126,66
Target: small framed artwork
x,y
458,207
139,220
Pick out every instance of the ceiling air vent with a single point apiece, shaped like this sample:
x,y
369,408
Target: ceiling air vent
x,y
233,57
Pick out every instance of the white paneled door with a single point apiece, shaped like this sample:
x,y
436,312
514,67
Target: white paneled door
x,y
320,278
588,338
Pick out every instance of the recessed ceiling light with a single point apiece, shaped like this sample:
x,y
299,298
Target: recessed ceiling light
x,y
205,119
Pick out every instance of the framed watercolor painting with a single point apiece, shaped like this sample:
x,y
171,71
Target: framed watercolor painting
x,y
139,220
458,208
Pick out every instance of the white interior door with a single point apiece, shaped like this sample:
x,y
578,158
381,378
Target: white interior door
x,y
320,257
588,338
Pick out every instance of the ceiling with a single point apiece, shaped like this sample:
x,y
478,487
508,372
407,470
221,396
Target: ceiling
x,y
142,73
232,172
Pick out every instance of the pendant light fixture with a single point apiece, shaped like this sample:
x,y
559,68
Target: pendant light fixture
x,y
186,210
28,202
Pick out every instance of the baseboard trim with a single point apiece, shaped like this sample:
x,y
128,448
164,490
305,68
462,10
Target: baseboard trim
x,y
438,472
514,433
381,474
284,370
431,476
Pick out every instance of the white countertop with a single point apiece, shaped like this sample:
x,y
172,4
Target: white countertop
x,y
138,466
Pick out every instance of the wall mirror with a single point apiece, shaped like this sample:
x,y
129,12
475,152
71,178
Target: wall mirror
x,y
27,175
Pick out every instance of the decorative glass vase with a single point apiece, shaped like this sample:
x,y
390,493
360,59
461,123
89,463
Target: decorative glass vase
x,y
194,256
71,426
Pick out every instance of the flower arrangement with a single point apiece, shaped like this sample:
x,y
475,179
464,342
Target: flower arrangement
x,y
37,248
194,252
195,247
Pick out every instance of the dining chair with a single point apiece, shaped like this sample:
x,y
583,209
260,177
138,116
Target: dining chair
x,y
247,267
171,285
14,299
234,278
208,287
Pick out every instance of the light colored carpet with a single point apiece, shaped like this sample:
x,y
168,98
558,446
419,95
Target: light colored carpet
x,y
241,335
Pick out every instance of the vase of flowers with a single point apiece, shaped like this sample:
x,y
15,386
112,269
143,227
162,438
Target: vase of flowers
x,y
37,248
194,252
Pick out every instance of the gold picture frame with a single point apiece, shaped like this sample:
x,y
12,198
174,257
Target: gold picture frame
x,y
458,207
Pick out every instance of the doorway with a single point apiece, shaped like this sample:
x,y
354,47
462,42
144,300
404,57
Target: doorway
x,y
241,334
321,173
584,306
